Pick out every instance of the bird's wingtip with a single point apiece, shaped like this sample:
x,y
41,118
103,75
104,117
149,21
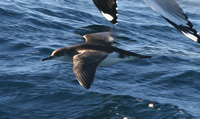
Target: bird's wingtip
x,y
198,40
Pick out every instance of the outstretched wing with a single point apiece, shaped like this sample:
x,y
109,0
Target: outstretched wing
x,y
172,12
101,38
85,65
108,8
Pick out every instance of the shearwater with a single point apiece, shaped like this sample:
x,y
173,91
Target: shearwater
x,y
97,50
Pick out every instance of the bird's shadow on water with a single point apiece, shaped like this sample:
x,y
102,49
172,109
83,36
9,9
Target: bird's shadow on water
x,y
93,29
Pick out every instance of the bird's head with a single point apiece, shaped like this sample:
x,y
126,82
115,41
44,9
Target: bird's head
x,y
60,54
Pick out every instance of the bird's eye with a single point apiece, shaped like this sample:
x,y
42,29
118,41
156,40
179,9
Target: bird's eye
x,y
59,54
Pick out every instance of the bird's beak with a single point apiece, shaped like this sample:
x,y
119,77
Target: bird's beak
x,y
48,58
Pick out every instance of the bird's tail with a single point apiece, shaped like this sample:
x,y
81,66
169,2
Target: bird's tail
x,y
124,53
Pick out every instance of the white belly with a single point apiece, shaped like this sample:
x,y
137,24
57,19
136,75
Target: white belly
x,y
114,58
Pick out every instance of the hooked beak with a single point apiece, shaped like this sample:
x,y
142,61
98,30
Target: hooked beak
x,y
48,58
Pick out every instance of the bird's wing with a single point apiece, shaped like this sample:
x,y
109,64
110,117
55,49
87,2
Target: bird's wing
x,y
101,38
85,65
173,13
108,8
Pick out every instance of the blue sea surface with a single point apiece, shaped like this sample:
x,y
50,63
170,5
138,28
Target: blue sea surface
x,y
30,89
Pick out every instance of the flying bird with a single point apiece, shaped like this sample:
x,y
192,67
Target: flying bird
x,y
168,9
86,57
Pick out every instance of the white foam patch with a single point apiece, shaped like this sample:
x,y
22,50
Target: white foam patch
x,y
107,16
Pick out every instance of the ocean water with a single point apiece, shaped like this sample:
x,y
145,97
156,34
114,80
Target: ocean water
x,y
30,89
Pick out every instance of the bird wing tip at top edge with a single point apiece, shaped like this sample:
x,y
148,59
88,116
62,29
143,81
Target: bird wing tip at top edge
x,y
198,40
174,14
108,9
